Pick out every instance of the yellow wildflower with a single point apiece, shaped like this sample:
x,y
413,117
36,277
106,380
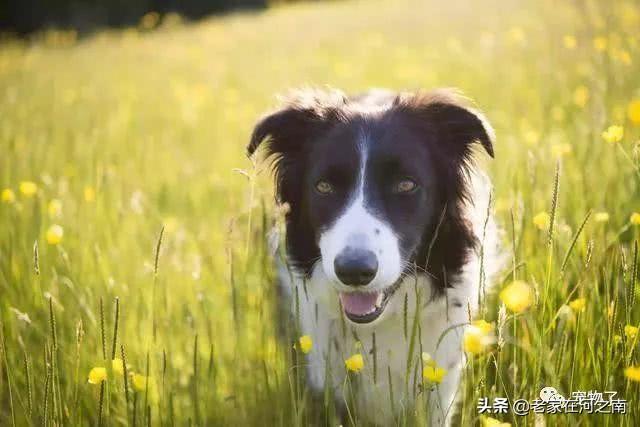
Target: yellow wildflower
x,y
517,297
614,133
354,363
142,383
55,208
581,96
118,366
28,188
617,339
8,196
542,221
623,56
306,343
54,234
477,337
492,422
578,305
635,218
89,194
630,331
632,373
601,217
561,150
633,111
569,41
433,373
600,43
97,375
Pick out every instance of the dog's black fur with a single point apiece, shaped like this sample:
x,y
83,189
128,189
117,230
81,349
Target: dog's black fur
x,y
436,129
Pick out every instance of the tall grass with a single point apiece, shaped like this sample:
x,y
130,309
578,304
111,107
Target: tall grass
x,y
139,130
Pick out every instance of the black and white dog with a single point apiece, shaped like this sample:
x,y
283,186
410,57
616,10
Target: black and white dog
x,y
387,218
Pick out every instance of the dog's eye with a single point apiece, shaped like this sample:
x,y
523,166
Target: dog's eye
x,y
405,186
323,187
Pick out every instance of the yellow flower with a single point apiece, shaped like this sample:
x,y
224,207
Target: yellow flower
x,y
630,331
141,383
569,41
561,150
517,297
613,134
600,43
578,304
635,218
542,221
633,111
632,373
97,375
54,234
8,196
28,188
433,373
117,366
492,422
623,56
477,337
601,217
89,194
306,343
617,339
55,208
581,96
483,325
355,363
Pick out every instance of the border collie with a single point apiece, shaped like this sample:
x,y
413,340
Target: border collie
x,y
387,222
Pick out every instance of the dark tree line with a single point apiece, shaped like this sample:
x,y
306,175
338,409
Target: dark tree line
x,y
25,16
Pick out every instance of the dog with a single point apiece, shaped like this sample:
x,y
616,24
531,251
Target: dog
x,y
389,243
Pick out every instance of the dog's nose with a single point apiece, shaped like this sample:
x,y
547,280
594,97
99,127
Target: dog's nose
x,y
356,267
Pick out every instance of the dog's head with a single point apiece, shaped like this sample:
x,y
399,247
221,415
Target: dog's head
x,y
375,186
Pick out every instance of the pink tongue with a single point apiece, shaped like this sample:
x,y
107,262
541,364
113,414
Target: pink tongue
x,y
359,303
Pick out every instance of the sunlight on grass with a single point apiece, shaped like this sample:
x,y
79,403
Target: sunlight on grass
x,y
123,175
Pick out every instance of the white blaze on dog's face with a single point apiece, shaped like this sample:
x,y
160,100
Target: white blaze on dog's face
x,y
369,203
369,187
361,253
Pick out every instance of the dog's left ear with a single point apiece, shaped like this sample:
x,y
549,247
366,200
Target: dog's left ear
x,y
457,124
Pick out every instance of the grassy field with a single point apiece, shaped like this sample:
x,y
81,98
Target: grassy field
x,y
109,139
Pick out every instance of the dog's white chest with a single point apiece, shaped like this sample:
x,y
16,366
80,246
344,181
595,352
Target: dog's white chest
x,y
391,376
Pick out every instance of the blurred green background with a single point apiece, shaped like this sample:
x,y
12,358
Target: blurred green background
x,y
124,132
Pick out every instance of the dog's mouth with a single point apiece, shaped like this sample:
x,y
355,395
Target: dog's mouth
x,y
365,307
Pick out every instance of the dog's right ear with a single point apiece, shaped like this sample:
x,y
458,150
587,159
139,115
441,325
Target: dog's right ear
x,y
285,130
305,114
